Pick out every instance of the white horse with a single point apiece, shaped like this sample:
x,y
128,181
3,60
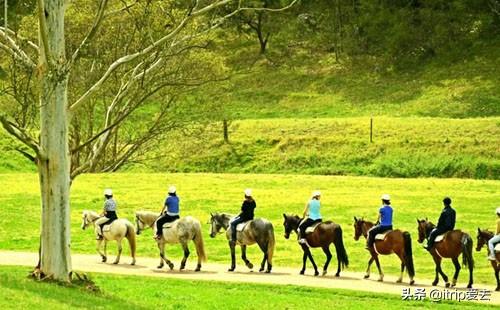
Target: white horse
x,y
118,229
181,231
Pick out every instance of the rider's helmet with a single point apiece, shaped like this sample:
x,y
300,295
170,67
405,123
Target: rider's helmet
x,y
447,201
248,192
108,192
386,197
172,190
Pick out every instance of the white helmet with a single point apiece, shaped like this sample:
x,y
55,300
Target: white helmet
x,y
108,192
386,197
248,192
316,194
498,211
172,190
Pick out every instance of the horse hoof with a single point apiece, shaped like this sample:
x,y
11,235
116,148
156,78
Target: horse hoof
x,y
182,267
316,273
132,263
470,286
412,282
498,289
159,266
302,271
337,274
261,269
171,266
104,259
434,283
380,280
399,281
230,269
115,263
366,276
250,266
197,269
324,273
268,271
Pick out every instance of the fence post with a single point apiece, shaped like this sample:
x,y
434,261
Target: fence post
x,y
371,129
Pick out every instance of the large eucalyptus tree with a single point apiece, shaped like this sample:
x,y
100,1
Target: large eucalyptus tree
x,y
84,85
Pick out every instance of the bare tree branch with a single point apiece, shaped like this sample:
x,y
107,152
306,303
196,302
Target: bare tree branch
x,y
8,31
13,49
20,134
43,32
92,32
192,12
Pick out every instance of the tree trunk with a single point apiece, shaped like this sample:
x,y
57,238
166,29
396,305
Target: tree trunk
x,y
54,164
225,126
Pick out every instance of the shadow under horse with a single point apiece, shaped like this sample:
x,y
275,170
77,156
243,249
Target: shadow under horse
x,y
454,243
323,235
483,236
258,231
395,241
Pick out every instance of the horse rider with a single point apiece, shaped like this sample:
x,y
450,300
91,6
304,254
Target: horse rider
x,y
446,223
108,214
384,219
247,213
311,214
495,239
169,212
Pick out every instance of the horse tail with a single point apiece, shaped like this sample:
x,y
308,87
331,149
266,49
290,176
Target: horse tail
x,y
271,242
408,254
198,241
130,234
339,247
467,256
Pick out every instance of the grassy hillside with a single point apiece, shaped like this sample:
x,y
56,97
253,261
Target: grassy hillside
x,y
118,292
402,147
343,198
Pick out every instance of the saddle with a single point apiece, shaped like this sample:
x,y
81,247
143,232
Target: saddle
x,y
497,248
440,238
382,235
311,228
170,224
242,226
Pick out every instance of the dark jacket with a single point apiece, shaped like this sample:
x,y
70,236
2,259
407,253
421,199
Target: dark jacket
x,y
247,209
446,219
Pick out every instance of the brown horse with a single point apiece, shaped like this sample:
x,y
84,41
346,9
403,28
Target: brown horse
x,y
324,234
395,241
454,243
483,236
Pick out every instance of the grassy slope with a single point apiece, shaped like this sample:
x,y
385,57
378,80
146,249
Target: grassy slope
x,y
343,198
403,147
119,291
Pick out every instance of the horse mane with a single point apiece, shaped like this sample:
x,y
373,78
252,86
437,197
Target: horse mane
x,y
148,216
91,213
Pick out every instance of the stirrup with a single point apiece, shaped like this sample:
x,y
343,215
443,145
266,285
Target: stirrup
x,y
302,241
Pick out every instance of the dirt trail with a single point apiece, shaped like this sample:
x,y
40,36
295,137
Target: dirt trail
x,y
217,272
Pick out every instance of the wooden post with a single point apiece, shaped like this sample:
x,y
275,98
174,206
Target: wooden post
x,y
226,130
371,129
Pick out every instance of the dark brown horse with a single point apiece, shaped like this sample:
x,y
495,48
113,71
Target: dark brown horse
x,y
324,234
395,241
483,236
454,243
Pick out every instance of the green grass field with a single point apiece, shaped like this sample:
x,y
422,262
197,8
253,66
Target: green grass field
x,y
343,198
402,147
19,292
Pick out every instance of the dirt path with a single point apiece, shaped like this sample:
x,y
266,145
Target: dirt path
x,y
217,272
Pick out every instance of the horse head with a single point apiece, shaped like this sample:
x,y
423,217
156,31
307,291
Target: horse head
x,y
483,236
358,228
217,222
87,219
424,229
290,223
143,220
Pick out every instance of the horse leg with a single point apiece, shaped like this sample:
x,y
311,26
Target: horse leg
x,y
98,248
457,270
439,271
117,260
326,250
185,248
263,248
402,258
309,254
381,274
161,245
496,267
304,260
232,246
244,257
370,262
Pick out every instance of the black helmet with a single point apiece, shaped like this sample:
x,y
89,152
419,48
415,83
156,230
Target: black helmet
x,y
447,201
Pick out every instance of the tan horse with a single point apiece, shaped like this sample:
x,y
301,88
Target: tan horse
x,y
181,231
119,229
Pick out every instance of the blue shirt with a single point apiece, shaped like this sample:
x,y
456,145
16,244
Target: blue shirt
x,y
110,205
314,207
172,204
386,216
